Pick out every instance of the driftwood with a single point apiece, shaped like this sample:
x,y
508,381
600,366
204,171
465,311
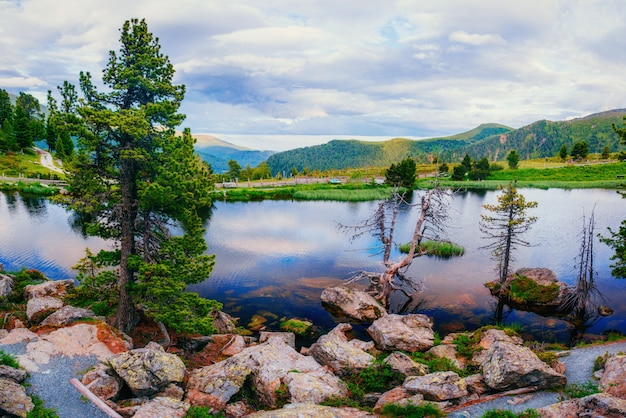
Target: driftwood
x,y
94,399
488,398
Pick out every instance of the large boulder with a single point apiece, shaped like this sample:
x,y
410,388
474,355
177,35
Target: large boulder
x,y
13,399
351,303
37,308
66,315
438,386
148,370
335,351
597,405
613,379
272,367
509,366
54,288
403,332
17,375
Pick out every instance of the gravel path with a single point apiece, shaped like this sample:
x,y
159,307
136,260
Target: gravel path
x,y
52,384
579,365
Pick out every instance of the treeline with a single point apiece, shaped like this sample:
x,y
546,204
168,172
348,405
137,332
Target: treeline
x,y
494,142
26,122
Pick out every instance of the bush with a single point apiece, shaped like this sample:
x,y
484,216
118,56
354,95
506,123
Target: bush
x,y
427,410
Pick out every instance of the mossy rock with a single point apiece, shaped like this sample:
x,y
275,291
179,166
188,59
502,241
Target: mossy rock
x,y
523,289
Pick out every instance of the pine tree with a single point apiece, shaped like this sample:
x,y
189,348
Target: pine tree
x,y
133,175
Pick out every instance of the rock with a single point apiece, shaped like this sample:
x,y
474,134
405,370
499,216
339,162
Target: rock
x,y
403,364
13,399
6,285
391,396
597,405
79,340
224,323
66,315
53,288
172,391
162,408
508,366
235,345
193,344
352,303
476,384
403,332
487,339
238,409
605,310
103,382
16,375
447,351
367,346
288,337
270,366
148,370
613,379
128,407
37,308
334,350
438,386
19,335
311,411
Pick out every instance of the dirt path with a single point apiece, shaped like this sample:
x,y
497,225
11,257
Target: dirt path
x,y
579,363
46,160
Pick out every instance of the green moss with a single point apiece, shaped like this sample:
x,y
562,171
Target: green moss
x,y
525,290
297,326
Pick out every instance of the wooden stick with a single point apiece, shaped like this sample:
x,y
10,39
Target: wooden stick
x,y
94,399
492,397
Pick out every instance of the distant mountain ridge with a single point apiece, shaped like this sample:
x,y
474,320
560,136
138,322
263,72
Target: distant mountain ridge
x,y
218,152
494,141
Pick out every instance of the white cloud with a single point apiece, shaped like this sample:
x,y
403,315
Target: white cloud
x,y
386,67
476,39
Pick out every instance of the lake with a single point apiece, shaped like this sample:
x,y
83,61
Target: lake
x,y
273,258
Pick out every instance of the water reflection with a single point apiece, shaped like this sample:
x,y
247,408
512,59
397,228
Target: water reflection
x,y
277,256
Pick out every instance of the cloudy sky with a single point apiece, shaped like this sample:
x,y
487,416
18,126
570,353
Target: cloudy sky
x,y
280,74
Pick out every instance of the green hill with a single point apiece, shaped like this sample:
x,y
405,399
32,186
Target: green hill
x,y
537,140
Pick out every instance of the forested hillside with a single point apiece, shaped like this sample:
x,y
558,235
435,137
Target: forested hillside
x,y
340,154
539,139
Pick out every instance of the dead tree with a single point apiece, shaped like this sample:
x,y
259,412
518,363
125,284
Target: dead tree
x,y
433,207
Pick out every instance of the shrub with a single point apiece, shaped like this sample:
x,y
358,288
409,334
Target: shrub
x,y
580,390
427,410
201,412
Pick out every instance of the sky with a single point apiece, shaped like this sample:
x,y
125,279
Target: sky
x,y
282,74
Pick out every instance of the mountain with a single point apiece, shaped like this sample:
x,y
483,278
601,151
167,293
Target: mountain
x,y
538,140
218,152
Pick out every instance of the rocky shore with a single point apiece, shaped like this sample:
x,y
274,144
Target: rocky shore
x,y
268,377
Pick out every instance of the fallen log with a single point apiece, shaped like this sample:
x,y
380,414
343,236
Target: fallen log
x,y
99,403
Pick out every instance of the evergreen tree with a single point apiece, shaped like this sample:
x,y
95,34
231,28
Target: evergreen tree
x,y
563,152
580,150
6,108
513,159
133,175
402,174
234,170
606,153
504,227
8,137
23,128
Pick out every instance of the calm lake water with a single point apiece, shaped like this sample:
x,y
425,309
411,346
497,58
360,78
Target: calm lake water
x,y
273,258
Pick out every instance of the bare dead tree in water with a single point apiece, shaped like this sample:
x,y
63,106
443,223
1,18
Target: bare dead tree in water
x,y
433,206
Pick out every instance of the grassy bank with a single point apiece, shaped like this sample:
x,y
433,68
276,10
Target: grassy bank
x,y
29,188
349,192
26,164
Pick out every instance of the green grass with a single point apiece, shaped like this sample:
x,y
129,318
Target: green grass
x,y
28,187
343,195
502,413
40,411
580,390
296,326
410,410
27,164
7,359
443,249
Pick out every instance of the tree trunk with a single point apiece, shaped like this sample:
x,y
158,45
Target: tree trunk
x,y
125,316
